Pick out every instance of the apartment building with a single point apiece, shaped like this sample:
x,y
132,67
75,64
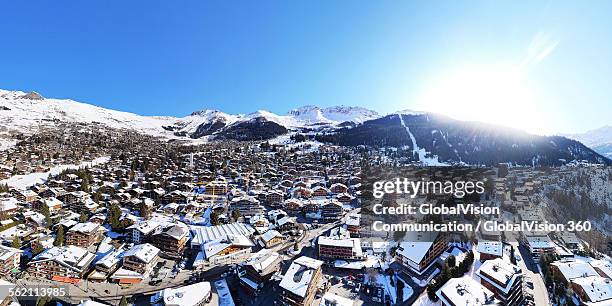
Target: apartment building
x,y
300,283
64,264
83,234
503,279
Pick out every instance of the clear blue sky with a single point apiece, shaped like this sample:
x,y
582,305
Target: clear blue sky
x,y
175,57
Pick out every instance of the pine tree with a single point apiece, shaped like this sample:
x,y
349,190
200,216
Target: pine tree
x,y
83,217
37,248
59,236
16,242
214,218
124,301
114,216
44,210
236,214
144,210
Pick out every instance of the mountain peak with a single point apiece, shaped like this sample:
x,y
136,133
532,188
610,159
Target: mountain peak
x,y
32,95
204,112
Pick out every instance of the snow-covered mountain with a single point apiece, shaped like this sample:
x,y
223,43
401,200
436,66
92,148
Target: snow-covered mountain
x,y
599,140
426,137
435,139
336,114
22,111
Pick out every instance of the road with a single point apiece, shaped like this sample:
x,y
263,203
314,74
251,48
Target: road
x,y
112,293
530,270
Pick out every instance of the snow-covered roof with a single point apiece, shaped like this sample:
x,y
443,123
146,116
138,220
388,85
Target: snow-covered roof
x,y
144,252
540,242
190,295
271,234
8,204
603,266
111,259
499,271
299,275
7,252
465,291
205,234
125,273
70,256
330,299
262,260
86,228
490,247
415,251
597,288
146,227
213,247
572,269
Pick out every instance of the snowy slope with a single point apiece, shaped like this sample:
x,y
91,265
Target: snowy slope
x,y
332,115
599,140
22,111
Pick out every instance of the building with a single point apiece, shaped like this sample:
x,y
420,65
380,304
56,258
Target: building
x,y
420,250
538,244
172,239
227,249
320,191
353,225
10,259
197,294
141,258
593,290
503,279
64,264
348,248
568,270
490,249
106,266
338,188
332,211
216,188
256,271
204,234
603,267
300,283
465,291
247,205
83,234
569,239
8,207
272,238
275,197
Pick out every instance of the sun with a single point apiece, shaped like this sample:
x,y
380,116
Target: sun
x,y
498,94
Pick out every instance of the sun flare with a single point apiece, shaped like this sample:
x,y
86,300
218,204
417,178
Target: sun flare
x,y
498,94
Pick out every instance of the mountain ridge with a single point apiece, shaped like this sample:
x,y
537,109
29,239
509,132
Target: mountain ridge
x,y
429,137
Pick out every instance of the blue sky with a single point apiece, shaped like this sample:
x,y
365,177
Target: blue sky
x,y
172,58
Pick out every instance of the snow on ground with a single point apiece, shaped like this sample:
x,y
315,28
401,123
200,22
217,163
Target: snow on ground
x,y
6,144
28,180
429,161
423,300
390,290
9,234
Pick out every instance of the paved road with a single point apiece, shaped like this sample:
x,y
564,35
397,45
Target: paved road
x,y
530,269
112,293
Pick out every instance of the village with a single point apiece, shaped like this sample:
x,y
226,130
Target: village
x,y
118,218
